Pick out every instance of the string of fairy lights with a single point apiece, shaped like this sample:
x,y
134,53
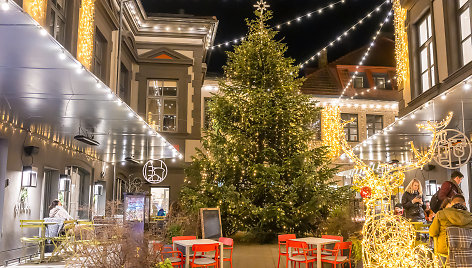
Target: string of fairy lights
x,y
366,54
345,33
289,22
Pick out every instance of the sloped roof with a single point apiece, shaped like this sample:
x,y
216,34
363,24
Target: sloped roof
x,y
325,80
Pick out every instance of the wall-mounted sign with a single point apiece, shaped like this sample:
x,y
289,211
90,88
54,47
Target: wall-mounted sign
x,y
155,171
454,149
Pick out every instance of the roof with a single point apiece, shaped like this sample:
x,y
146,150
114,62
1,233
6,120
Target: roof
x,y
326,80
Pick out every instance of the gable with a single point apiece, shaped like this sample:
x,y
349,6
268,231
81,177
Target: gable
x,y
165,55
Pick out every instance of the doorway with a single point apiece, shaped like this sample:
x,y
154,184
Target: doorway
x,y
50,189
159,200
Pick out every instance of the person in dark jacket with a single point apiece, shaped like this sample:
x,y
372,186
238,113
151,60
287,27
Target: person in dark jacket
x,y
413,203
451,188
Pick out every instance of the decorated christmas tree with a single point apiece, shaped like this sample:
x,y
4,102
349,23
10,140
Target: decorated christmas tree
x,y
259,164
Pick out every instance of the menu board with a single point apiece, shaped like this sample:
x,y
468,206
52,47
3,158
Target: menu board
x,y
211,223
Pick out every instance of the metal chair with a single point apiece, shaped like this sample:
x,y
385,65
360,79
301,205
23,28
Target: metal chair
x,y
337,258
201,250
303,253
283,250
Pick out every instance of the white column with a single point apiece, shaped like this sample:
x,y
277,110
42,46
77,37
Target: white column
x,y
465,183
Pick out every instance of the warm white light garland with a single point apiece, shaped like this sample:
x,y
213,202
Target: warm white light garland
x,y
366,54
344,34
279,26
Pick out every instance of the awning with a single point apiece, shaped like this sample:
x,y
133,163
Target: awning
x,y
43,88
393,143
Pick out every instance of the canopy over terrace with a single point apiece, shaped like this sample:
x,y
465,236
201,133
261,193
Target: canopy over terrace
x,y
45,90
393,143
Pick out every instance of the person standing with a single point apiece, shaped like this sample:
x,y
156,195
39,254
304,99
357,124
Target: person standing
x,y
451,187
412,201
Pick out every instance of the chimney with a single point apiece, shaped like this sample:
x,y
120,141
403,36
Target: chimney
x,y
323,59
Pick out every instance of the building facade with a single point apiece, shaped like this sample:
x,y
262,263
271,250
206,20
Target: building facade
x,y
370,100
135,91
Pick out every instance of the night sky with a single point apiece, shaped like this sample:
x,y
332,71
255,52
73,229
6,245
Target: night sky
x,y
303,38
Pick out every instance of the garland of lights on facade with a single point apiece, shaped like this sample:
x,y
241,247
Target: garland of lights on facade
x,y
330,118
36,9
86,33
401,43
389,240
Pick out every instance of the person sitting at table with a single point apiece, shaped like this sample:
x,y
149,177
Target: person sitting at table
x,y
56,210
454,214
161,212
428,212
412,201
398,210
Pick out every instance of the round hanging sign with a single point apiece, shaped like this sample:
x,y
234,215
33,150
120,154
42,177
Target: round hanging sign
x,y
453,149
366,192
155,171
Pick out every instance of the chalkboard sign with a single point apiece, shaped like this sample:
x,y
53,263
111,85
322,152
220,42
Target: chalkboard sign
x,y
211,223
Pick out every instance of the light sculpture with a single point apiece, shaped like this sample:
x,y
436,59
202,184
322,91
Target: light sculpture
x,y
389,240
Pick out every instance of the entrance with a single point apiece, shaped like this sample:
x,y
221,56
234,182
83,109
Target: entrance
x,y
50,189
159,200
76,197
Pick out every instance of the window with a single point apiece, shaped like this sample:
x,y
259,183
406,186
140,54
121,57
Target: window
x,y
431,187
124,84
162,105
426,56
380,82
57,20
374,124
358,82
465,29
350,130
159,200
99,52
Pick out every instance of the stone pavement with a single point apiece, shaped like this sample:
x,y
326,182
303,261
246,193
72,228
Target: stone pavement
x,y
244,256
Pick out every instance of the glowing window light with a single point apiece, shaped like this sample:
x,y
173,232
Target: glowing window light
x,y
86,31
36,9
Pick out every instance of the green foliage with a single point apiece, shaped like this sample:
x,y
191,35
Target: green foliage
x,y
164,264
174,230
340,222
258,163
356,247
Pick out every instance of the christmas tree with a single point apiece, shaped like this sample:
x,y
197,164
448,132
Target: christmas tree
x,y
259,164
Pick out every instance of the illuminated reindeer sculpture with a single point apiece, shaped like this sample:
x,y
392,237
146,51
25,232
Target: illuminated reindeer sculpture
x,y
389,240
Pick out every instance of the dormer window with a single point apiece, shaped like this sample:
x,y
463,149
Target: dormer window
x,y
358,82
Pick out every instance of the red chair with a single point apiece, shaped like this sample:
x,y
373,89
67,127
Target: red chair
x,y
334,237
174,256
175,260
337,258
228,245
302,253
204,249
283,245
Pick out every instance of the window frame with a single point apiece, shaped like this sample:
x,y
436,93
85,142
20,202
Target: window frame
x,y
125,82
99,38
374,129
56,13
461,10
349,127
163,98
428,45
